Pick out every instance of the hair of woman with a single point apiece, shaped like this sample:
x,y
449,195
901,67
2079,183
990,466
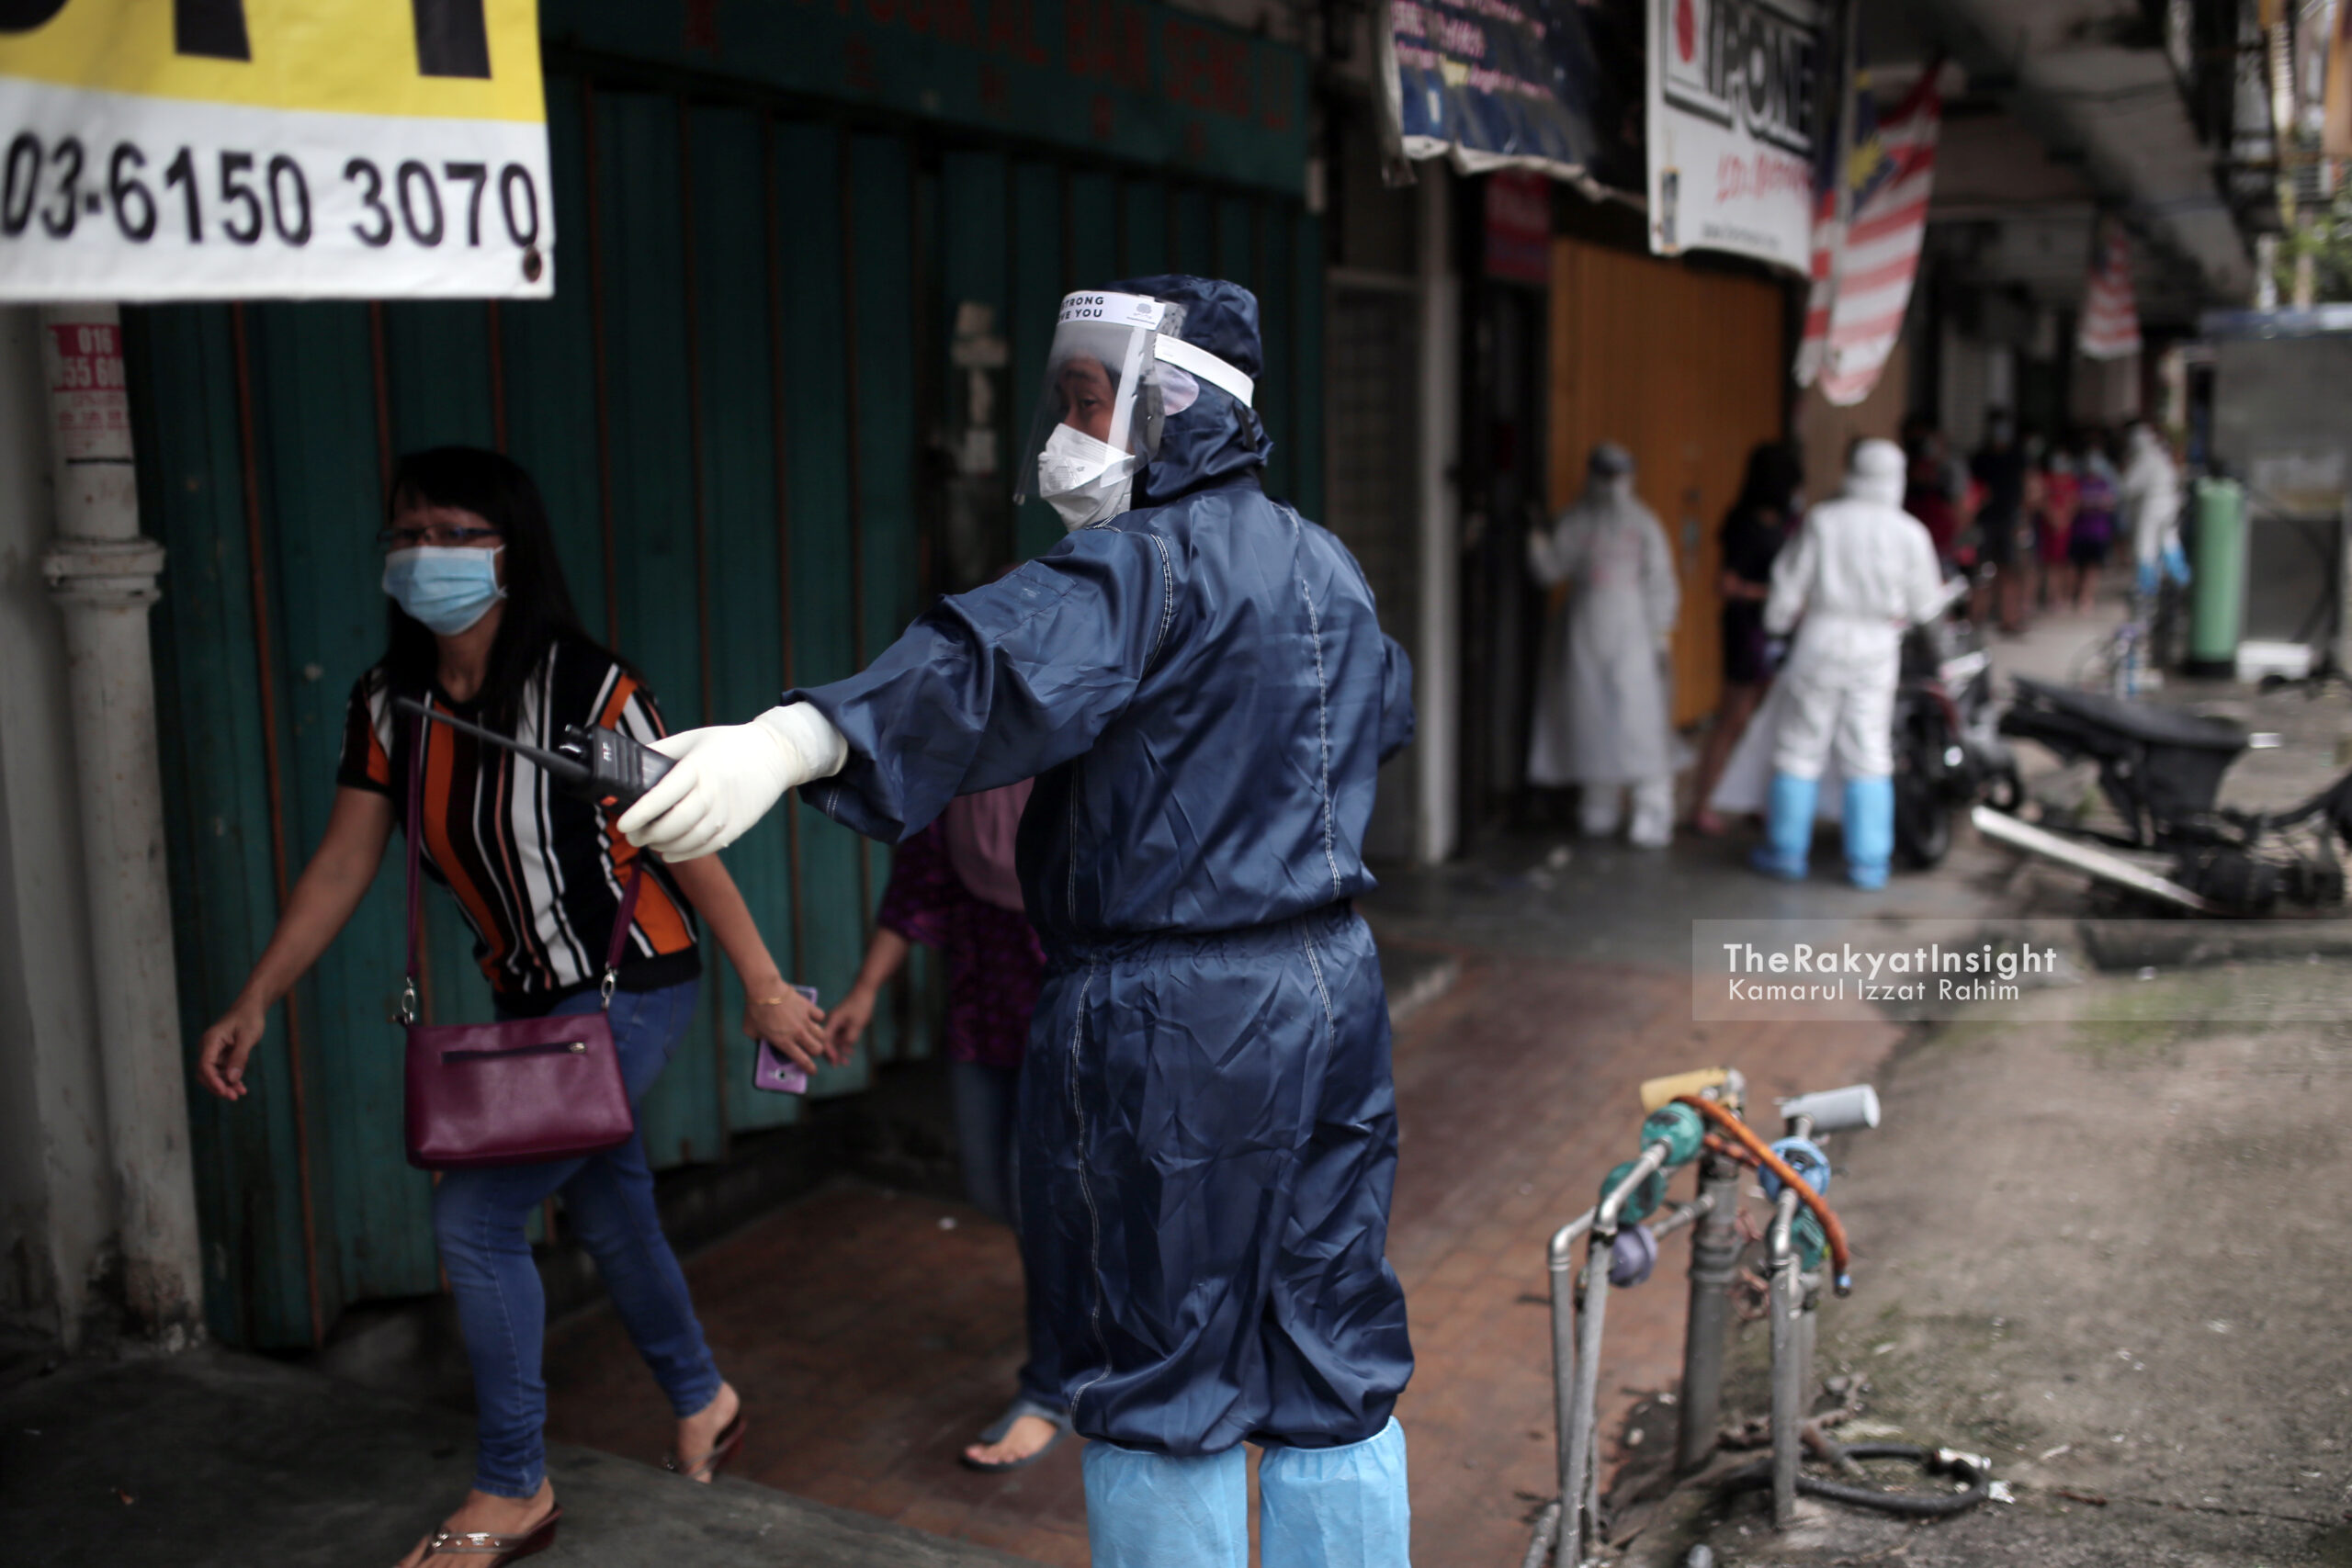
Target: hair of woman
x,y
539,603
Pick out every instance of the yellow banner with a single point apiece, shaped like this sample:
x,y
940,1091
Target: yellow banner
x,y
447,59
231,149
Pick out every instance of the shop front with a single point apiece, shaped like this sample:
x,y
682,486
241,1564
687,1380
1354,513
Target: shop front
x,y
807,258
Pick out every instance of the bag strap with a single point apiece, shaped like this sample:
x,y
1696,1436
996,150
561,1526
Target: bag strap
x,y
407,1013
622,919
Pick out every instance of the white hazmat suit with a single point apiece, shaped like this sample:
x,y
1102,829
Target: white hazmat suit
x,y
1600,700
1859,571
2149,496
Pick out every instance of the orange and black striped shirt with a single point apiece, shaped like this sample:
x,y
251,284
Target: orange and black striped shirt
x,y
538,873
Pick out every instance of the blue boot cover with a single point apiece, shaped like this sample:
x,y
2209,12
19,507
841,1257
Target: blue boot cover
x,y
1150,1511
1788,827
1340,1508
1869,832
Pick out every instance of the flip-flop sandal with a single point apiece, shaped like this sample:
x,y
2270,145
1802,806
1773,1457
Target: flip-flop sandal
x,y
499,1549
1004,1424
731,1441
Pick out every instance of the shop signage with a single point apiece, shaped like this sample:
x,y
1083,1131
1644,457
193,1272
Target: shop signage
x,y
1497,83
1733,88
1125,78
1519,226
214,149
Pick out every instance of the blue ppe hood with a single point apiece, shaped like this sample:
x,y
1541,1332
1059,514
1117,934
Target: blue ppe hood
x,y
1217,438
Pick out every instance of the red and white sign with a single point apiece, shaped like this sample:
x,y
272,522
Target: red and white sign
x,y
1519,226
2111,324
89,400
1731,134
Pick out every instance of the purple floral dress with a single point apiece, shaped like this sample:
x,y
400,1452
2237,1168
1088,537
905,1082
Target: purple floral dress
x,y
994,963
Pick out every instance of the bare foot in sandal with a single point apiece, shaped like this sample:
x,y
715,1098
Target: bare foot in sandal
x,y
486,1513
709,1437
1019,1437
1028,1437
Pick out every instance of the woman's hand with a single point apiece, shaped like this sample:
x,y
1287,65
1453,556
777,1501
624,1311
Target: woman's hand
x,y
850,1015
220,1060
789,1021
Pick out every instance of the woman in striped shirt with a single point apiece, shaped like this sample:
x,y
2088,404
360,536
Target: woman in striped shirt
x,y
483,627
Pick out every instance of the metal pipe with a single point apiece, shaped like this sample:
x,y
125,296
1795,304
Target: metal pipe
x,y
1714,1262
1547,1534
1579,1479
102,576
1559,1262
1612,1202
1683,1214
1577,1468
1788,1390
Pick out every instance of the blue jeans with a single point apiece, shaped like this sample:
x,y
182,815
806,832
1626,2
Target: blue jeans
x,y
987,1108
479,1217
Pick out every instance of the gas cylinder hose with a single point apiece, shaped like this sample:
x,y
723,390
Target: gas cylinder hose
x,y
1743,1134
1918,1504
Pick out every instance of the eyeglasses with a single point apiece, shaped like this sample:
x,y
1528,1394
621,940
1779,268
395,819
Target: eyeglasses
x,y
438,536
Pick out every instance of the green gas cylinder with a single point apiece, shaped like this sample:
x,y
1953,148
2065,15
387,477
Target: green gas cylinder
x,y
2217,587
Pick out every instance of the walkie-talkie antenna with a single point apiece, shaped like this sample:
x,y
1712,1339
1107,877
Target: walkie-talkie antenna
x,y
555,763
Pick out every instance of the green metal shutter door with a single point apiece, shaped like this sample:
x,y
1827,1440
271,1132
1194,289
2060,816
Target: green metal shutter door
x,y
733,330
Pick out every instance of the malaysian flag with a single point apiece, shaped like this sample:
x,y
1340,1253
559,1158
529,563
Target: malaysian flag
x,y
2110,323
1862,269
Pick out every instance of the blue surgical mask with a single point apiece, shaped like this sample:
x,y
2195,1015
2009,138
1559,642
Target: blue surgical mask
x,y
449,588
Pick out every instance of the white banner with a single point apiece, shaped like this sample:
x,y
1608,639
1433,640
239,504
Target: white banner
x,y
1732,87
350,149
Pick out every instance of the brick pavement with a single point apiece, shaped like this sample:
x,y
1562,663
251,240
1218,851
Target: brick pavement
x,y
870,1343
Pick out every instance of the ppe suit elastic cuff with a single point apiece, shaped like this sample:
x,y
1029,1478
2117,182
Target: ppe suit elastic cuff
x,y
815,748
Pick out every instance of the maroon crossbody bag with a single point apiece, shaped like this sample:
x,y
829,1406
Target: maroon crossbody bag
x,y
519,1092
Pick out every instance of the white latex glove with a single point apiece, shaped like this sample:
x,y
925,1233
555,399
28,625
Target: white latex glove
x,y
728,776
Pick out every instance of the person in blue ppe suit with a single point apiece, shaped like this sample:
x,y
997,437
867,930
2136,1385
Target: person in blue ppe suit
x,y
1197,678
1860,571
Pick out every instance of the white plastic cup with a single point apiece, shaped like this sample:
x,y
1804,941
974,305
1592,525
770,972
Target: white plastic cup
x,y
1835,1109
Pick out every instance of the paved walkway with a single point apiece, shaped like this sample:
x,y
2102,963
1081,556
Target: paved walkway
x,y
871,1343
873,1340
215,1458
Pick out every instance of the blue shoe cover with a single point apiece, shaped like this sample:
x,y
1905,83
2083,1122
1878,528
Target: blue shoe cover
x,y
1869,832
1788,827
1151,1511
1343,1507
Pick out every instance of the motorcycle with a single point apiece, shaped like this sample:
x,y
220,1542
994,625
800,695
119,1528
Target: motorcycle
x,y
2160,771
1949,753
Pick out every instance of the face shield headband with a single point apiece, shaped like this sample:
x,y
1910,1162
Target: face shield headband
x,y
1116,373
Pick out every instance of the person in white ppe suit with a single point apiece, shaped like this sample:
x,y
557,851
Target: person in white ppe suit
x,y
1860,572
1600,700
2149,496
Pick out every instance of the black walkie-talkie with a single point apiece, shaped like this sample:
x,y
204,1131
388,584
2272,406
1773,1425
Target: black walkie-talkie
x,y
603,766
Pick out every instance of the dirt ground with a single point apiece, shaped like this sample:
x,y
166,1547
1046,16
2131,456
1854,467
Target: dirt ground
x,y
2114,1258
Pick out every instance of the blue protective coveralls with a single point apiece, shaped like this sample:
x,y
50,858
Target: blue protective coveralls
x,y
1201,687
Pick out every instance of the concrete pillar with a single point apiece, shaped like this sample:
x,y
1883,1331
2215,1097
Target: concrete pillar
x,y
1437,650
102,574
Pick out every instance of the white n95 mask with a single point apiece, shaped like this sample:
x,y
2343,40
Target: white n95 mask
x,y
1083,479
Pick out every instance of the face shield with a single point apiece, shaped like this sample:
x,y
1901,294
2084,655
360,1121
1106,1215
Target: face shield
x,y
1116,372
